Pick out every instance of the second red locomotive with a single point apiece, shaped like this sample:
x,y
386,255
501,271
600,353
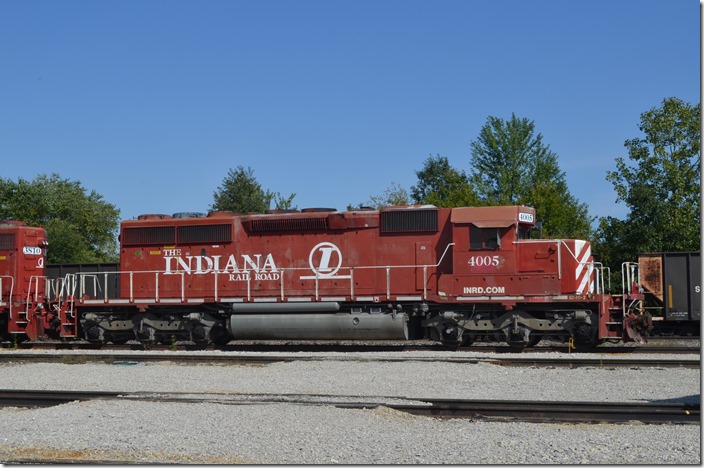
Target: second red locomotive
x,y
448,274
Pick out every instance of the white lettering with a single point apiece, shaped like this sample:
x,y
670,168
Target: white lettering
x,y
168,265
269,263
267,276
484,290
240,277
185,266
324,266
247,260
525,217
202,264
231,265
202,269
484,260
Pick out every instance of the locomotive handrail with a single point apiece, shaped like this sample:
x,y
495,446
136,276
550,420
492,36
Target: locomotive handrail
x,y
608,272
33,280
217,273
599,272
96,283
61,288
630,277
630,271
12,286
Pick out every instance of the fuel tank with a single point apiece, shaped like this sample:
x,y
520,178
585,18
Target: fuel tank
x,y
331,326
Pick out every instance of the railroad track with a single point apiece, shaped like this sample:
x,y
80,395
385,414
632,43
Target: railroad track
x,y
488,410
356,348
131,358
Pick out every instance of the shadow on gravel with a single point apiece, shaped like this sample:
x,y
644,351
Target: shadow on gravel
x,y
690,399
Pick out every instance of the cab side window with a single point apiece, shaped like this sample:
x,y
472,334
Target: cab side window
x,y
483,238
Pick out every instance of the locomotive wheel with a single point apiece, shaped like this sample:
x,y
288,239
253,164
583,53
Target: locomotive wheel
x,y
219,335
534,340
146,336
467,340
583,338
451,345
517,345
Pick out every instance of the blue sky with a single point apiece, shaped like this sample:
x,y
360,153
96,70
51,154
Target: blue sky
x,y
151,102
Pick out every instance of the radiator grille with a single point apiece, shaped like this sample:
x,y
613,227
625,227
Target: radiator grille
x,y
7,241
291,224
205,234
149,235
424,220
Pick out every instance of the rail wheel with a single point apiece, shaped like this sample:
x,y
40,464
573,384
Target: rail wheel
x,y
146,336
467,339
451,336
521,337
95,335
583,338
534,339
219,335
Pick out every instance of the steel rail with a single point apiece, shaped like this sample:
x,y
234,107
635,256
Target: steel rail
x,y
562,411
298,346
128,358
490,410
44,398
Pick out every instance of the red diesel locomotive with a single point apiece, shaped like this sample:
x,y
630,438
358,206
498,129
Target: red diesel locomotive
x,y
448,274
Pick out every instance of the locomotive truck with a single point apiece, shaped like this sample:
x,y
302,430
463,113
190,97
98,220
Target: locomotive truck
x,y
452,275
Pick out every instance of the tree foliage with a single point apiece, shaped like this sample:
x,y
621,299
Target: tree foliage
x,y
240,192
442,185
512,166
394,195
81,227
660,184
502,159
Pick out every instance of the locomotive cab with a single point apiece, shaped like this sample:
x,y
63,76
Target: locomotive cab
x,y
511,288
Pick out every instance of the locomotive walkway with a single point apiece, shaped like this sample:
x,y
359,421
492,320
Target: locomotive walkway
x,y
489,410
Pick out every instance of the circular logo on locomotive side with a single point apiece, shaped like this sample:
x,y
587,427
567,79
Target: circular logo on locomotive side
x,y
325,259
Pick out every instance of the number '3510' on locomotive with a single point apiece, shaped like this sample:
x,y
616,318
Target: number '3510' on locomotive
x,y
452,275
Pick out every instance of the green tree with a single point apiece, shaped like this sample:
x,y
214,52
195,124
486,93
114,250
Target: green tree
x,y
561,214
660,186
81,227
442,185
502,157
240,192
512,166
394,195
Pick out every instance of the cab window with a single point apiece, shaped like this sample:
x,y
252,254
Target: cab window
x,y
483,238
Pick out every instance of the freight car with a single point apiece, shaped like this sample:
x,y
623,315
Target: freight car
x,y
447,274
673,284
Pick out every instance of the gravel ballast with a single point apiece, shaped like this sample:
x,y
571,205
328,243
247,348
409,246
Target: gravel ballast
x,y
138,431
